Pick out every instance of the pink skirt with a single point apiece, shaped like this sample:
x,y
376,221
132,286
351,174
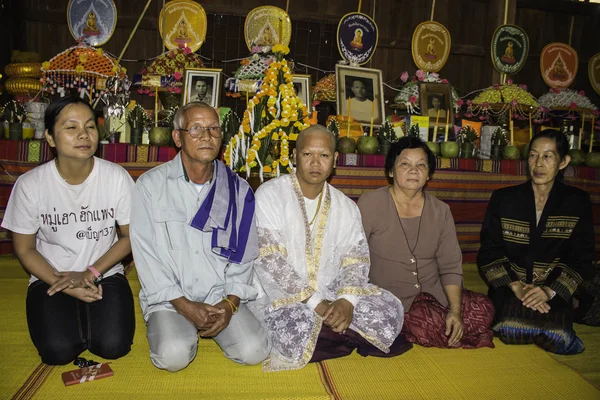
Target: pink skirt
x,y
425,323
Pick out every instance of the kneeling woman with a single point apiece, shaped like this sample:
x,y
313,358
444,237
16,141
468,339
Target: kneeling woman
x,y
63,216
537,244
415,254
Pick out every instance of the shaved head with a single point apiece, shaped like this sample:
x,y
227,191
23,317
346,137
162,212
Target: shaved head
x,y
315,130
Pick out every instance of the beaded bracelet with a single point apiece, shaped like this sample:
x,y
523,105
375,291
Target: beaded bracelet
x,y
234,308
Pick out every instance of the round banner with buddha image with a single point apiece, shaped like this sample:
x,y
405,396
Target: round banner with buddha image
x,y
510,47
357,37
431,43
92,21
558,63
594,72
182,23
267,26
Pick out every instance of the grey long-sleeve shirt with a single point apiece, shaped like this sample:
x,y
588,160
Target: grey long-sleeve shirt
x,y
172,258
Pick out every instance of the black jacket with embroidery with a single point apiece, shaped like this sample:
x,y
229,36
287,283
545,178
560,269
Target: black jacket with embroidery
x,y
557,253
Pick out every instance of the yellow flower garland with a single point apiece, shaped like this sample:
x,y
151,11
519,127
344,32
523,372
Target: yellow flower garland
x,y
282,102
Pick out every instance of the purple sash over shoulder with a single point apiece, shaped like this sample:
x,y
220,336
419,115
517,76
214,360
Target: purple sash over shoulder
x,y
228,211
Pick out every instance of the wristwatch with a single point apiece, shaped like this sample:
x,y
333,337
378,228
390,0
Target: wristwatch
x,y
96,273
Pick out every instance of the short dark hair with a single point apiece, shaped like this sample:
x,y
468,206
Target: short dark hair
x,y
54,109
408,142
562,143
562,147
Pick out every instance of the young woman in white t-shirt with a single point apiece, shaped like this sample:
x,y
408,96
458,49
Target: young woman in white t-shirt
x,y
64,216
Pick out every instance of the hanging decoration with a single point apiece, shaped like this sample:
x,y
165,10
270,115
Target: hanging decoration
x,y
502,99
594,72
267,26
274,117
566,100
182,23
558,64
431,43
92,22
357,37
510,48
264,28
81,68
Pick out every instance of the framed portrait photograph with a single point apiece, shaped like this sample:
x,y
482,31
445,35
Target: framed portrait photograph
x,y
434,98
360,94
202,84
303,87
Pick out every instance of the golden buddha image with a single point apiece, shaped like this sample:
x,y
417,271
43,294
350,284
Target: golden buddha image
x,y
509,54
430,51
91,28
267,37
558,72
357,41
182,36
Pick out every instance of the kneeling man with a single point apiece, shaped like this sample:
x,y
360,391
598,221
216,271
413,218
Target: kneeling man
x,y
193,236
316,301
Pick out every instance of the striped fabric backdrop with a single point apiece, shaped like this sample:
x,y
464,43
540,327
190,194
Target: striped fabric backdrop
x,y
466,185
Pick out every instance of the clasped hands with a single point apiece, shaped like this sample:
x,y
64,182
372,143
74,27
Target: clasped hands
x,y
77,284
534,297
209,320
337,314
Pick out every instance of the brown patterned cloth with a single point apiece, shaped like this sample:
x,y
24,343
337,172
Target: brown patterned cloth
x,y
425,323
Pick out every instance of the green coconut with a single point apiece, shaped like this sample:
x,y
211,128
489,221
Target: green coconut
x,y
592,160
159,136
346,145
577,156
367,145
511,153
434,147
450,149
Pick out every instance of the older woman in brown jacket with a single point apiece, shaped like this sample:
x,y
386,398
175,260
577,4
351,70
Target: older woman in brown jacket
x,y
415,254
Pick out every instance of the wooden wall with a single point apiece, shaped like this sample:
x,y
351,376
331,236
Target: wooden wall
x,y
40,25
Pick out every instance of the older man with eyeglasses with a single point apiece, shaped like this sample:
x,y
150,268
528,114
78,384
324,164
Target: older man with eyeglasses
x,y
194,240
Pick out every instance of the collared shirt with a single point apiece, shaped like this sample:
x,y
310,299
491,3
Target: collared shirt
x,y
172,258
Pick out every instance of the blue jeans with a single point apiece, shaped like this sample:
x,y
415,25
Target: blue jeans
x,y
62,327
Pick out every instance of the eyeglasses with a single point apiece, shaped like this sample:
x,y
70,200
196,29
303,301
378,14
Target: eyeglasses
x,y
196,131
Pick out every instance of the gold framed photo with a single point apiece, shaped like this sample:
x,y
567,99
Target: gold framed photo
x,y
203,85
434,98
360,94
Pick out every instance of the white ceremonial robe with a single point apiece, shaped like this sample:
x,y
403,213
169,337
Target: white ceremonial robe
x,y
330,263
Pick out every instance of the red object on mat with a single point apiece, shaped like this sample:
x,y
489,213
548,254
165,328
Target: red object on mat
x,y
87,374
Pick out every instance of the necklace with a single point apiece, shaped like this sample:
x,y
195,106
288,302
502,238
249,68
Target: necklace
x,y
318,207
413,259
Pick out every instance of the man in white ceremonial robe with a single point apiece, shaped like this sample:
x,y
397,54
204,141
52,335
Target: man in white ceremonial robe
x,y
314,296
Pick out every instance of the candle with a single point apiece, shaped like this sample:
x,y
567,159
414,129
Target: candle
x,y
313,119
592,134
447,125
510,126
437,120
348,122
581,130
372,116
530,127
156,106
247,101
280,31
